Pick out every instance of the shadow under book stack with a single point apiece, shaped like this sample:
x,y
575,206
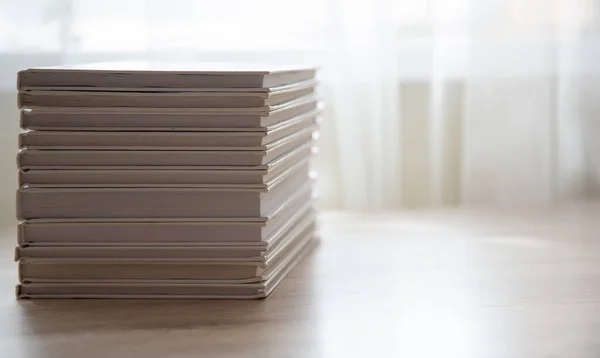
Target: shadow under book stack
x,y
143,181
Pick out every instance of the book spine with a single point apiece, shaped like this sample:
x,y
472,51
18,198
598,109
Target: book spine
x,y
19,207
20,160
20,100
21,234
21,178
18,292
23,120
20,272
22,141
20,81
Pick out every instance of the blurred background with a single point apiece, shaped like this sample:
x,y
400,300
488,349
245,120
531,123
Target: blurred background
x,y
428,103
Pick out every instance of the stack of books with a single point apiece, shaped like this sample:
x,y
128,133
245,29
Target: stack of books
x,y
147,181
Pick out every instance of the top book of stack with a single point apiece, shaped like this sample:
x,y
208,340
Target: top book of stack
x,y
152,76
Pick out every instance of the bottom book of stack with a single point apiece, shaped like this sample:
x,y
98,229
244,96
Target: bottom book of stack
x,y
55,263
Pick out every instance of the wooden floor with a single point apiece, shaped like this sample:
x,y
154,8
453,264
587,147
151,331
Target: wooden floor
x,y
419,284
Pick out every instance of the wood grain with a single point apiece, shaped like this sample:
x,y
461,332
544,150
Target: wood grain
x,y
419,284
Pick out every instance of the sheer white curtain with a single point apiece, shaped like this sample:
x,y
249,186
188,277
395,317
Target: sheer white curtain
x,y
438,102
529,109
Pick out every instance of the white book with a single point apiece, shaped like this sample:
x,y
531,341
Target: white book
x,y
252,101
90,177
255,232
138,119
166,140
173,289
165,270
155,75
210,159
107,203
153,253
